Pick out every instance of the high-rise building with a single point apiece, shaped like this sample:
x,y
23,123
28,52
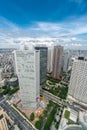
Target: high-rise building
x,y
78,81
14,63
50,60
0,73
66,60
43,63
28,71
3,123
57,61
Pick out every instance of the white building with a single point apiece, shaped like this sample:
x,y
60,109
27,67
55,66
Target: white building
x,y
78,81
28,71
50,59
83,119
66,60
0,74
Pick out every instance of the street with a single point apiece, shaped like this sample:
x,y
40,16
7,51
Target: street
x,y
18,120
53,97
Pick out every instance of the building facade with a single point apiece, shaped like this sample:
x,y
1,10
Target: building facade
x,y
28,71
43,63
66,60
57,61
3,123
83,119
78,81
50,60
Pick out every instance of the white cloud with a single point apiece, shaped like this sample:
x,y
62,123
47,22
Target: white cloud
x,y
77,1
65,33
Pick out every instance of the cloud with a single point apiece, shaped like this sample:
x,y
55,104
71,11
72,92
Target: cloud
x,y
77,1
67,33
76,46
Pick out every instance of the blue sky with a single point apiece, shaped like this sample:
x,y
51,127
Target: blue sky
x,y
64,19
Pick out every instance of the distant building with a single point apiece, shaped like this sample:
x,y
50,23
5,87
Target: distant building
x,y
57,61
78,81
66,60
43,62
3,123
50,60
28,71
14,63
0,74
12,81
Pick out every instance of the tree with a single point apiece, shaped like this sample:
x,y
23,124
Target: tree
x,y
32,117
56,125
38,124
45,112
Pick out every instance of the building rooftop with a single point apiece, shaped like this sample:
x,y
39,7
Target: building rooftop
x,y
13,79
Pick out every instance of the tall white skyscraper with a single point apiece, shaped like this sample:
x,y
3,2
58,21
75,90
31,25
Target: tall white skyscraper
x,y
28,71
78,81
50,59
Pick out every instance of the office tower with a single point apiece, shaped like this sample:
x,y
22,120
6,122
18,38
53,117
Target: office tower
x,y
78,81
57,61
50,60
43,62
66,60
14,63
0,74
3,123
28,69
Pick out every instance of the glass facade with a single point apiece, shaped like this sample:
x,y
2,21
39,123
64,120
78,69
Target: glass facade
x,y
43,63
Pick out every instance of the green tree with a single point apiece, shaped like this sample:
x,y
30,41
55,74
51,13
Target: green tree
x,y
32,117
45,112
57,125
38,124
50,119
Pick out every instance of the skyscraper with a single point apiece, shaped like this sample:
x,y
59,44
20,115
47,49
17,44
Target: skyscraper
x,y
66,60
3,123
43,62
57,61
50,60
78,81
28,70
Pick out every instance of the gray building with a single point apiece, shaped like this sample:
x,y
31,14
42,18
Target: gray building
x,y
43,62
66,60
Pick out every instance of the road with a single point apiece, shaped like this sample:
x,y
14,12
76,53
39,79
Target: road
x,y
14,115
79,106
53,97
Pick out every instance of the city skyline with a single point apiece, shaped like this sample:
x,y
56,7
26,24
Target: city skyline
x,y
64,20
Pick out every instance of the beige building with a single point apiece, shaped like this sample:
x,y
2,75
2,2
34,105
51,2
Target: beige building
x,y
3,123
57,61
